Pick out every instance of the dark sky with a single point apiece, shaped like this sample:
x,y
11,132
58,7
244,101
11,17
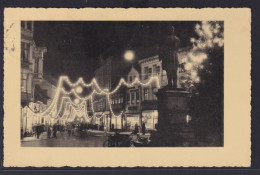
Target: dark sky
x,y
75,48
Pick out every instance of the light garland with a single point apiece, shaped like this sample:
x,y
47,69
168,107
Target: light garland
x,y
110,107
52,108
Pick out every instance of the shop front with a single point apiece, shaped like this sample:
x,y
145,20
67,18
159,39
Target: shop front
x,y
132,120
150,119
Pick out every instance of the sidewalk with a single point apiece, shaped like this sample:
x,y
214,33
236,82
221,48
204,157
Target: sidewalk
x,y
43,136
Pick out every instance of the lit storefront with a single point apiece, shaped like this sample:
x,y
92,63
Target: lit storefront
x,y
150,118
131,120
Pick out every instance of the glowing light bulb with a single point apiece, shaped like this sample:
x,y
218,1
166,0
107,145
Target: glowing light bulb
x,y
76,101
129,55
79,89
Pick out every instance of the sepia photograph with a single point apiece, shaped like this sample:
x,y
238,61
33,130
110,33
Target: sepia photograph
x,y
127,87
122,83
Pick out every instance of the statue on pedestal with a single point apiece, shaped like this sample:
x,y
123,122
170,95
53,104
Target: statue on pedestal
x,y
168,49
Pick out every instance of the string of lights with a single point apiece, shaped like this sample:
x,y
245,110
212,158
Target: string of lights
x,y
51,111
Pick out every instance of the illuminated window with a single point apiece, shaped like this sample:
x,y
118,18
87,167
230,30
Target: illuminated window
x,y
146,91
132,97
137,97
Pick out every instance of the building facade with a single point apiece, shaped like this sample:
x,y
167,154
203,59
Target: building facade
x,y
108,76
31,63
151,67
31,72
133,100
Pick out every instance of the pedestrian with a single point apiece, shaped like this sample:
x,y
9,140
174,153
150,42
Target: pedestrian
x,y
38,131
136,129
143,128
54,131
69,129
62,129
49,131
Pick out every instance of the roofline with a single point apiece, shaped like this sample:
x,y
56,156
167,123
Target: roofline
x,y
183,49
148,59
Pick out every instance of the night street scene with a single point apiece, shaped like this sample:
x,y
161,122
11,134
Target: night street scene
x,y
122,84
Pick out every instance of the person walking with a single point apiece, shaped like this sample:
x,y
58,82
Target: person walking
x,y
143,128
136,129
54,131
49,132
62,129
69,129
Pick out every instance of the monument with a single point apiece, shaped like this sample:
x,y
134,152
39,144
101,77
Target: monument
x,y
173,123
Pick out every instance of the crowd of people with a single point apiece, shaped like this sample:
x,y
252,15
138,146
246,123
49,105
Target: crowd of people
x,y
76,129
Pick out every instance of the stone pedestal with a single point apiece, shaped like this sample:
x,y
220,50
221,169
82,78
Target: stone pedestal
x,y
173,127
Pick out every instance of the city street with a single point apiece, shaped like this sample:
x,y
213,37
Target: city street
x,y
92,140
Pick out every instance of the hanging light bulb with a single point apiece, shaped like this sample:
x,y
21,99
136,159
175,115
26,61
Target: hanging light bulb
x,y
76,101
79,89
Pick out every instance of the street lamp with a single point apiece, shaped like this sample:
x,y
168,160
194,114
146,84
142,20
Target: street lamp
x,y
129,55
